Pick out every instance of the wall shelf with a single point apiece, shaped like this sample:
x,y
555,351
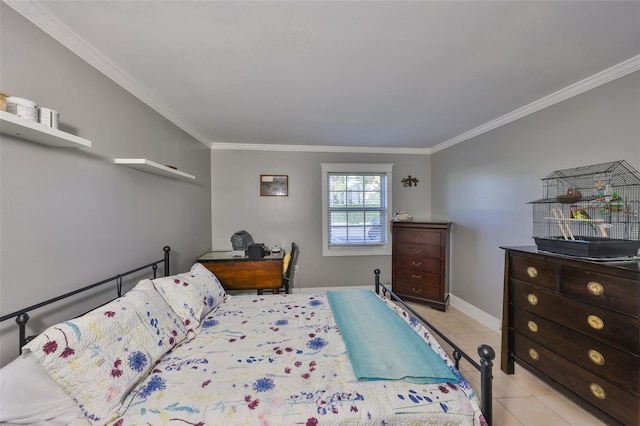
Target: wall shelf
x,y
12,125
152,167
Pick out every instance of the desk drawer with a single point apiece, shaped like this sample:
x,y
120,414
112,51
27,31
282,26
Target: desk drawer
x,y
247,274
601,324
603,360
608,397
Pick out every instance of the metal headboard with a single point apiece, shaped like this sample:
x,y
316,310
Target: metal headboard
x,y
22,316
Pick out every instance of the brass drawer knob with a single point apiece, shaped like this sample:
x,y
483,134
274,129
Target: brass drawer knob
x,y
414,263
596,357
532,299
417,277
595,288
597,391
416,250
532,326
532,272
534,354
595,322
416,290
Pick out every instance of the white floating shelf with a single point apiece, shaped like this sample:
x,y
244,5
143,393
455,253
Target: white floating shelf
x,y
12,125
155,168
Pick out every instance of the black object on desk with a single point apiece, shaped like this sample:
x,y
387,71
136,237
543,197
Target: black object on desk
x,y
256,251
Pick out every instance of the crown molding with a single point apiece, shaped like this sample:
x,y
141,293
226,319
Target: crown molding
x,y
610,74
39,16
316,148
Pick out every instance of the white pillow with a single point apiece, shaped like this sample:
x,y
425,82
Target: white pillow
x,y
99,357
29,395
192,295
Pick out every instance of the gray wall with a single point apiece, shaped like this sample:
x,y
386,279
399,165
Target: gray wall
x,y
237,204
483,184
70,216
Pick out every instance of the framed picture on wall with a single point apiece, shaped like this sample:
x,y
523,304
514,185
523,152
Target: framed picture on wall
x,y
274,185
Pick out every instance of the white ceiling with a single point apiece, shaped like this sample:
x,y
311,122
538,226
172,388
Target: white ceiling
x,y
392,75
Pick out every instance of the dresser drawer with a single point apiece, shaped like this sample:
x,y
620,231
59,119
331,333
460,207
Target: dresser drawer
x,y
600,324
413,236
607,291
417,290
535,272
419,264
603,360
418,277
417,250
608,397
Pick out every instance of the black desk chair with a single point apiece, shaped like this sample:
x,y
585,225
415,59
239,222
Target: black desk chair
x,y
287,277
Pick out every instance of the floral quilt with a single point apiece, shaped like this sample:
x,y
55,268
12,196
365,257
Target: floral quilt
x,y
280,360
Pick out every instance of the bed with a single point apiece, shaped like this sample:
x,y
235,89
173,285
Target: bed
x,y
178,350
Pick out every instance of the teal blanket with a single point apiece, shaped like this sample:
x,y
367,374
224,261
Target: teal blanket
x,y
380,344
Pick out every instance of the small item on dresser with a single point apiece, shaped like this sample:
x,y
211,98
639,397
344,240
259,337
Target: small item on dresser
x,y
3,100
171,167
23,108
48,117
402,217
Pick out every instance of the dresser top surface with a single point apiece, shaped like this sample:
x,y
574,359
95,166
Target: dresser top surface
x,y
629,264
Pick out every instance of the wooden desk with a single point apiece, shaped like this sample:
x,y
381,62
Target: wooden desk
x,y
242,273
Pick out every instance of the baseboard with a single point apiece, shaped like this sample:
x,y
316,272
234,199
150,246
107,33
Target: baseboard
x,y
477,314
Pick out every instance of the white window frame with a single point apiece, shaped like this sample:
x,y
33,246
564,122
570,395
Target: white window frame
x,y
355,250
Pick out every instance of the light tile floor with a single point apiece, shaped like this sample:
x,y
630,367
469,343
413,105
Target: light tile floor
x,y
520,399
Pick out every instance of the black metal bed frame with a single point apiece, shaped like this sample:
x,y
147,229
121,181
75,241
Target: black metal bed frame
x,y
22,316
486,353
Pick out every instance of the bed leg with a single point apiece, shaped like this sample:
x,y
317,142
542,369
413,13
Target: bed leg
x,y
22,320
487,355
457,356
166,249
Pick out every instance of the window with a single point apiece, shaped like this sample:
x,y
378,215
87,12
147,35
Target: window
x,y
356,209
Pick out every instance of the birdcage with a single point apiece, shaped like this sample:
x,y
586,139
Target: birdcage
x,y
591,211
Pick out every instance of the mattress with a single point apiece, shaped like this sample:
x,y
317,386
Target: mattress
x,y
280,359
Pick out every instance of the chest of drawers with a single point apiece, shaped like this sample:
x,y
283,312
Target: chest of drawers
x,y
420,264
575,324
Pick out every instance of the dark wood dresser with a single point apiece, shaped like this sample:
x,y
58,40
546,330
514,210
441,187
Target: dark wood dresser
x,y
420,262
574,323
